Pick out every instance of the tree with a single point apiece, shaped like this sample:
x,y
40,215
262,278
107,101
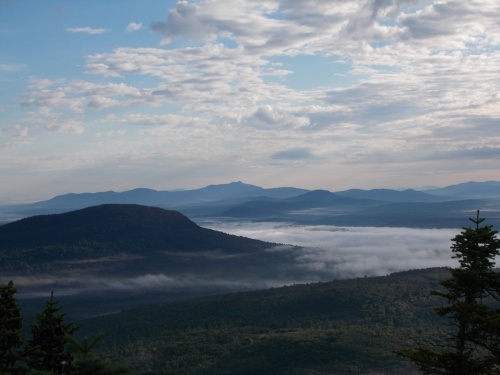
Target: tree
x,y
472,345
46,349
11,337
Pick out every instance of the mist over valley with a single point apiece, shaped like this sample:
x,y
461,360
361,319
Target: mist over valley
x,y
231,237
233,274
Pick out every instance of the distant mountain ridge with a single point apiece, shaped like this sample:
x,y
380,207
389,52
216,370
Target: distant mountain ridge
x,y
165,198
233,190
354,207
471,189
387,195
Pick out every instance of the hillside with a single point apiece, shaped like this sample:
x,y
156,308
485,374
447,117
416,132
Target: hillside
x,y
112,227
338,327
122,247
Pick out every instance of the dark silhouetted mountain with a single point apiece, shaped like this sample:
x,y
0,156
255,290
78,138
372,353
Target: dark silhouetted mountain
x,y
136,234
387,195
468,190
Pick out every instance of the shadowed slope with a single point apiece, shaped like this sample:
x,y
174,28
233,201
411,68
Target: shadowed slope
x,y
110,230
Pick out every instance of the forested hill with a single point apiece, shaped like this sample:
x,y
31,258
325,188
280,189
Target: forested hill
x,y
339,327
109,230
110,222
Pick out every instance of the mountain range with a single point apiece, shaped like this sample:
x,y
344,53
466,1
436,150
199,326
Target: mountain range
x,y
436,208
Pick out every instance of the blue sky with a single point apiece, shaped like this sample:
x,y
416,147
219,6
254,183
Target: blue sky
x,y
119,94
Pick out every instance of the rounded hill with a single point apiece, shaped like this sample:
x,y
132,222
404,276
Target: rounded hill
x,y
111,229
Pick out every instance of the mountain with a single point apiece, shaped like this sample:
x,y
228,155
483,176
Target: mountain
x,y
354,208
387,195
167,198
316,196
488,189
338,327
313,205
127,228
438,208
132,247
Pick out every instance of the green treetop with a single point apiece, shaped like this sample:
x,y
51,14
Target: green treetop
x,y
472,293
11,337
46,349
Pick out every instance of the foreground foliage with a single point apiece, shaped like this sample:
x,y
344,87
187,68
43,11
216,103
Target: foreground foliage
x,y
51,348
471,345
11,323
46,349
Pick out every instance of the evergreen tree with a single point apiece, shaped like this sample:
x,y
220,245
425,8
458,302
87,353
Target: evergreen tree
x,y
88,364
11,337
473,344
46,349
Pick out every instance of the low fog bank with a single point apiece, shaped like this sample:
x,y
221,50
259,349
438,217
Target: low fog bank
x,y
345,252
35,287
303,254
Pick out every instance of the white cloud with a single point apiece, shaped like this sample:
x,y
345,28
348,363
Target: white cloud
x,y
182,21
410,87
353,251
86,30
133,26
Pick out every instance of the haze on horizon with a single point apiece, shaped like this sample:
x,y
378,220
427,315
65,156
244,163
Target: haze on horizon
x,y
113,95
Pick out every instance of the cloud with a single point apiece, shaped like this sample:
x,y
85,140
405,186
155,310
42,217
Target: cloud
x,y
70,284
133,26
268,116
188,282
293,154
304,254
345,252
406,87
86,30
182,21
12,68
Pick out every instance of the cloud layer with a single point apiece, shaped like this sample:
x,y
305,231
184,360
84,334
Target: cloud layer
x,y
301,92
323,253
346,252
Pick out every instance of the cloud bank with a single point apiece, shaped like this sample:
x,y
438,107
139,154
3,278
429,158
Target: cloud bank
x,y
346,252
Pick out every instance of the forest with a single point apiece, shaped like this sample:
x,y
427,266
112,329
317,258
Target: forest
x,y
436,321
341,327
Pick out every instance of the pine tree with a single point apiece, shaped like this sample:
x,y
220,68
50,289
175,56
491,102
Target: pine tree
x,y
46,349
11,337
473,344
88,364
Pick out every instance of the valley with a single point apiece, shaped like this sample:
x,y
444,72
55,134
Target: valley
x,y
307,283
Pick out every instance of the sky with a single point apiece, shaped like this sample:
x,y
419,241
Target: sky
x,y
120,94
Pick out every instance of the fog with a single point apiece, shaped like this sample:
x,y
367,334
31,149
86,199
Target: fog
x,y
353,251
319,253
